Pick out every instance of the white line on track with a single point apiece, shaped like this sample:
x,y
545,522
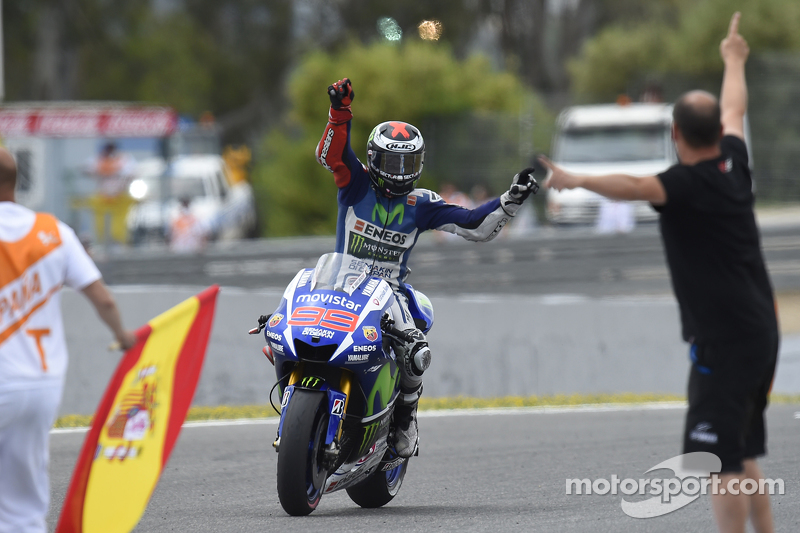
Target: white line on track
x,y
586,408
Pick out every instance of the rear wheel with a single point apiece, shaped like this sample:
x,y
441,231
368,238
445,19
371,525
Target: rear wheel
x,y
301,476
379,488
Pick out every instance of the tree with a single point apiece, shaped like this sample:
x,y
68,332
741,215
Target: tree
x,y
413,82
223,56
685,44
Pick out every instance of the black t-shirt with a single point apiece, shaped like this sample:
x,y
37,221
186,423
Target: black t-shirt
x,y
713,248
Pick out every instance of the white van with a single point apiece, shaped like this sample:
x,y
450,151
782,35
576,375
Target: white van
x,y
226,211
602,139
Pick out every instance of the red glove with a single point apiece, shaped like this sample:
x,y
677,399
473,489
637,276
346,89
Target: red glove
x,y
341,94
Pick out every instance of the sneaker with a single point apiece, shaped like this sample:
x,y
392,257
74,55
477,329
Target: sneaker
x,y
406,437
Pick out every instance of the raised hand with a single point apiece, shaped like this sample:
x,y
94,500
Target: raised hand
x,y
733,47
559,179
522,185
341,93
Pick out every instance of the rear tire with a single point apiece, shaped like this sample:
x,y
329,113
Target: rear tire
x,y
301,477
379,488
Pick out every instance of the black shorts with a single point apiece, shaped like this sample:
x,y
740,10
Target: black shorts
x,y
729,385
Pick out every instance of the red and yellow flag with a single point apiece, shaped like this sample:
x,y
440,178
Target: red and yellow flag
x,y
138,421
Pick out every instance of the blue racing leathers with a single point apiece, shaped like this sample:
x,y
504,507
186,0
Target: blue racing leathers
x,y
379,232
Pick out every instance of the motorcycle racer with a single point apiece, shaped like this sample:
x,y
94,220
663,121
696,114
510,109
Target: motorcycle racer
x,y
381,215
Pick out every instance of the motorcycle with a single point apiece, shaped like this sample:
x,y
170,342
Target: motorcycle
x,y
332,341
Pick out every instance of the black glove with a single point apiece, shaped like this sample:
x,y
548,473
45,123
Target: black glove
x,y
341,93
522,186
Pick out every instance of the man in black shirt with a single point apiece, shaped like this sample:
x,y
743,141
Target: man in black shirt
x,y
726,304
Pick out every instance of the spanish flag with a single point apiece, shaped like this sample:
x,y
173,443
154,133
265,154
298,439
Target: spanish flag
x,y
138,421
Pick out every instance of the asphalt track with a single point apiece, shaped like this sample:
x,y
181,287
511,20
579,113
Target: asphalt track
x,y
493,471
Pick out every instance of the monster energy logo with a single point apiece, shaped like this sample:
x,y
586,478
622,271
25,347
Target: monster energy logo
x,y
310,382
356,244
383,215
382,389
369,434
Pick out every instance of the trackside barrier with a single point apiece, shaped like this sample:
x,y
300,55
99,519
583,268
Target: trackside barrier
x,y
483,346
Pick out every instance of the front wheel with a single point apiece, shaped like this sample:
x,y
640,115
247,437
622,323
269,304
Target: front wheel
x,y
379,488
301,476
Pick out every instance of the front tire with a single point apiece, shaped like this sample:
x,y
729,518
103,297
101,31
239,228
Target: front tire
x,y
379,488
301,476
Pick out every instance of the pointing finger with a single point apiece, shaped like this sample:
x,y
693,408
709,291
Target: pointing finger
x,y
734,27
546,162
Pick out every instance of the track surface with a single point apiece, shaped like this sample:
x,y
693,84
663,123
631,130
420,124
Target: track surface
x,y
478,473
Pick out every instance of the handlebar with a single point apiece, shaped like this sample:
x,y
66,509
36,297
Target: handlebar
x,y
262,323
387,326
394,332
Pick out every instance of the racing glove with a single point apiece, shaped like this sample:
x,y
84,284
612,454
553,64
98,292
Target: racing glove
x,y
522,186
341,94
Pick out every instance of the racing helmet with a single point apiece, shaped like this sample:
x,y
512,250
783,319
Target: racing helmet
x,y
395,152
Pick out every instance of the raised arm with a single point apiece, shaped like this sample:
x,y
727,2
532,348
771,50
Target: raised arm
x,y
483,223
334,151
733,97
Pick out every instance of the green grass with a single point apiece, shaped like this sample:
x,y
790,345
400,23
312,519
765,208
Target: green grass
x,y
230,412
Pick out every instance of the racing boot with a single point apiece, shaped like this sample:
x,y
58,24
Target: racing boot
x,y
416,359
406,436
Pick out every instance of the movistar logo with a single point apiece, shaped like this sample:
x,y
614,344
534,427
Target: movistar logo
x,y
383,215
357,243
310,382
369,434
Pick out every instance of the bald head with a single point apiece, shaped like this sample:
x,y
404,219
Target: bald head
x,y
8,175
697,116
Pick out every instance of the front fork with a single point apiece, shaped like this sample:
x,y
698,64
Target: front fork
x,y
337,407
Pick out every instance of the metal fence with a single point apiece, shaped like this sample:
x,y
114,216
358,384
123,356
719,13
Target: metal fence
x,y
774,83
487,149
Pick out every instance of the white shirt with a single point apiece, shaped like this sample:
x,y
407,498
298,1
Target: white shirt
x,y
38,255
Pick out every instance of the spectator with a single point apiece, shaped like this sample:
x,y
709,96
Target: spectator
x,y
615,217
113,170
187,233
38,255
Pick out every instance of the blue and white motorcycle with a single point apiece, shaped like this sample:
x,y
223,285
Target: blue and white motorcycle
x,y
331,343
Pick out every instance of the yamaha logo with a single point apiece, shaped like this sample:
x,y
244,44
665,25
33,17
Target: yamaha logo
x,y
401,147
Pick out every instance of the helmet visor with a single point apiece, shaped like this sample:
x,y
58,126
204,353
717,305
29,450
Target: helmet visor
x,y
397,164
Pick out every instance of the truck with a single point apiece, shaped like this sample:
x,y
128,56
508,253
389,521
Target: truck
x,y
632,138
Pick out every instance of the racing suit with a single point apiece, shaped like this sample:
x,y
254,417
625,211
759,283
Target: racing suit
x,y
379,232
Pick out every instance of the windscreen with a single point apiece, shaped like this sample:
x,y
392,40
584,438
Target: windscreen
x,y
189,187
613,144
334,272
